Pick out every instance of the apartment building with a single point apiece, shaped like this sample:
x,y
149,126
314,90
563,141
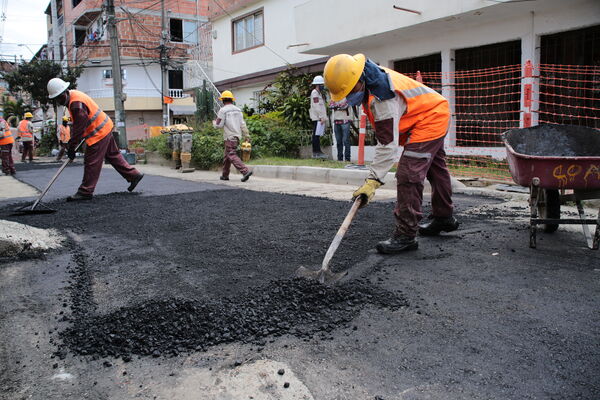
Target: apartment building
x,y
83,39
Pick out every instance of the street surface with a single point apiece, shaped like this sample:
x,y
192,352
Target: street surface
x,y
184,290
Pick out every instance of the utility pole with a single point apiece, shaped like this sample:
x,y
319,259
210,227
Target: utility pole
x,y
55,44
163,63
119,96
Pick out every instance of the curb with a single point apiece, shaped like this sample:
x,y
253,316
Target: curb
x,y
336,176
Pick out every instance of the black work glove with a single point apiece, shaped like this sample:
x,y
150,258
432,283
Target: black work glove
x,y
71,153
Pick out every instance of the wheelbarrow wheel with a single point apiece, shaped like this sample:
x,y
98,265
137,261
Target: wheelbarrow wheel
x,y
549,207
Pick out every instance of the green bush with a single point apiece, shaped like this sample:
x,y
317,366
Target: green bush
x,y
48,142
207,147
272,136
158,144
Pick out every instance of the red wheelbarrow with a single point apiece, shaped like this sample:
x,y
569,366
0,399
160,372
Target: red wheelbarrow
x,y
559,164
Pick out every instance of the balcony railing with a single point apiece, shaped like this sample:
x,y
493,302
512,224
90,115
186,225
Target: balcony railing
x,y
134,92
177,94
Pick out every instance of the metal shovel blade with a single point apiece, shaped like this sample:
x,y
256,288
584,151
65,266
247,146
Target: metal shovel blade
x,y
324,276
38,208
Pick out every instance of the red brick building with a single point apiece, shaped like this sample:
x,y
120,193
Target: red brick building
x,y
83,39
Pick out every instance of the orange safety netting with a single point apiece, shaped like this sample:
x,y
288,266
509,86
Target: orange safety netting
x,y
487,102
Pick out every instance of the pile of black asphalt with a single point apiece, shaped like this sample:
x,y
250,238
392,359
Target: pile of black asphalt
x,y
193,270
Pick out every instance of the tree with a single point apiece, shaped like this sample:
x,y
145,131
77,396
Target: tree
x,y
32,78
289,94
14,111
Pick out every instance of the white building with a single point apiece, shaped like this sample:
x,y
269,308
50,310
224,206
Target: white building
x,y
443,40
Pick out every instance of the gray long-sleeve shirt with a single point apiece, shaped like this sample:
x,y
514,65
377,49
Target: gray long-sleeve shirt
x,y
231,119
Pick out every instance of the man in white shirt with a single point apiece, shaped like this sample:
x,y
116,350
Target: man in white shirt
x,y
231,120
318,115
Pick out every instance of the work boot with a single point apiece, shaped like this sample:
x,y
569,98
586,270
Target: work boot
x,y
224,178
134,182
434,225
397,244
246,176
79,197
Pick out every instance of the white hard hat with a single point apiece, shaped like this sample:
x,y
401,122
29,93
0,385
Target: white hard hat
x,y
56,86
318,80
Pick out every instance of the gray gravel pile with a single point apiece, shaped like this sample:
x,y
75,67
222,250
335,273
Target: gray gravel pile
x,y
298,307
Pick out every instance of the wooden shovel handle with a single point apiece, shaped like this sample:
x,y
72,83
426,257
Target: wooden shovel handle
x,y
340,233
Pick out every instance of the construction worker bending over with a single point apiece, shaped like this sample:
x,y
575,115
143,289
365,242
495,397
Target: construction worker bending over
x,y
402,112
91,123
231,119
6,144
64,135
25,135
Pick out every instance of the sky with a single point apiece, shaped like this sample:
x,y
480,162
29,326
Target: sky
x,y
25,24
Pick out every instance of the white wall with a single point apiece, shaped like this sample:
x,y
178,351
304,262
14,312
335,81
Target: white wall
x,y
279,32
136,84
361,25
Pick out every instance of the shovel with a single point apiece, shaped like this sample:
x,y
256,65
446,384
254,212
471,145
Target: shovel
x,y
28,210
325,275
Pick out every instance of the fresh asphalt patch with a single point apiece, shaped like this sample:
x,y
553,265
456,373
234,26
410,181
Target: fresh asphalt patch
x,y
166,281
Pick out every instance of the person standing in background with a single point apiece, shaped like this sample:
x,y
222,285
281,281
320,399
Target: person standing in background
x,y
6,144
64,135
25,135
318,115
342,117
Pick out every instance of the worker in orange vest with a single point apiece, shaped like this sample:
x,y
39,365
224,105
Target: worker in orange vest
x,y
25,135
403,112
93,125
64,135
6,144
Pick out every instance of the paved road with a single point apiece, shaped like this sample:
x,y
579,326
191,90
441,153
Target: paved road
x,y
486,317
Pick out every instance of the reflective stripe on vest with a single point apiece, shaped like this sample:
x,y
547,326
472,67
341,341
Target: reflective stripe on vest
x,y
99,124
23,130
6,137
427,112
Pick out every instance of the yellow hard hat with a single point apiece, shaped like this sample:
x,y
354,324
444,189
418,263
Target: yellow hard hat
x,y
67,119
28,115
227,95
341,74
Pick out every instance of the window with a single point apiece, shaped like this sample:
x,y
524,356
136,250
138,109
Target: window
x,y
429,66
107,74
76,3
80,35
248,31
176,30
487,101
183,31
175,79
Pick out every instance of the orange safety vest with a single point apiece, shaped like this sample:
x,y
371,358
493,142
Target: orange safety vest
x,y
99,124
23,130
427,112
6,136
65,133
